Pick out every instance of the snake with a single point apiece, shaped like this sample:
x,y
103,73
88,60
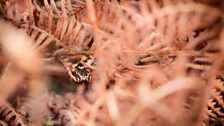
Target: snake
x,y
77,65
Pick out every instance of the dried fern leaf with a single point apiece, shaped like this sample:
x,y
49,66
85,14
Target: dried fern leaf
x,y
216,102
67,33
9,116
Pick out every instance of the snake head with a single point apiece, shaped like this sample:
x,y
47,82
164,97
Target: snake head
x,y
80,73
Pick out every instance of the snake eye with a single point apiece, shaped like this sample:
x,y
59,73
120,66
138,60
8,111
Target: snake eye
x,y
80,66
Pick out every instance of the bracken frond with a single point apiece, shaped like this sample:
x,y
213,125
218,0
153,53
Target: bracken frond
x,y
9,116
